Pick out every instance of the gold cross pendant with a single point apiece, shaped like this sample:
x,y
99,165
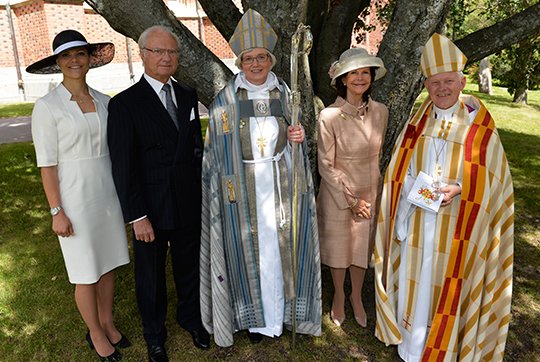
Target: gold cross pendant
x,y
438,171
261,142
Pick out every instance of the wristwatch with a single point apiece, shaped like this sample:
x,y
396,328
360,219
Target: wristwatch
x,y
56,210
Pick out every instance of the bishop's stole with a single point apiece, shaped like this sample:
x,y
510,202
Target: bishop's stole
x,y
473,253
230,287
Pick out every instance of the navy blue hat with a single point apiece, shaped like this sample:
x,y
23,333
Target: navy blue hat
x,y
100,53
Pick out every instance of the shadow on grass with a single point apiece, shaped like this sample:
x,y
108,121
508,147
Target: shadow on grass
x,y
39,320
523,153
501,100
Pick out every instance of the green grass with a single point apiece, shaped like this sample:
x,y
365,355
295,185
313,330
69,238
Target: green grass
x,y
39,320
519,129
16,110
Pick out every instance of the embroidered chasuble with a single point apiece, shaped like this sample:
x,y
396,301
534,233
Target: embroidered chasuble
x,y
443,281
244,138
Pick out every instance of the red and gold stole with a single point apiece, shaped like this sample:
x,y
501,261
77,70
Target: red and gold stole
x,y
474,181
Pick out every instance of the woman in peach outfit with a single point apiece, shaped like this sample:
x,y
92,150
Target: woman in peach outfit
x,y
351,132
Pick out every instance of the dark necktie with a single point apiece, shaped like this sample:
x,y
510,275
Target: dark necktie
x,y
171,108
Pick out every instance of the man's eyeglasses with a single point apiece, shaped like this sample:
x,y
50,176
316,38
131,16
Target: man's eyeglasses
x,y
161,52
261,58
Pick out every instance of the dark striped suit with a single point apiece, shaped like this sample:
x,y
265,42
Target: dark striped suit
x,y
157,173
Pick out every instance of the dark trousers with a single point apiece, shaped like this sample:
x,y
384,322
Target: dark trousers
x,y
150,286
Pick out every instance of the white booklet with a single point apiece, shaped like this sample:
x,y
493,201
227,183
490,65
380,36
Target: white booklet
x,y
424,195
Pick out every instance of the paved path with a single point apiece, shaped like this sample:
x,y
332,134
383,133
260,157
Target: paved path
x,y
15,130
18,129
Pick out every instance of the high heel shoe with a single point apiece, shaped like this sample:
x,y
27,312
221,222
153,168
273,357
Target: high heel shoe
x,y
116,356
337,321
89,340
122,343
361,320
113,357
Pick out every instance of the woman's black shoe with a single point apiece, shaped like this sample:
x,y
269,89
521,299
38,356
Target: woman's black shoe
x,y
122,343
113,357
89,340
254,337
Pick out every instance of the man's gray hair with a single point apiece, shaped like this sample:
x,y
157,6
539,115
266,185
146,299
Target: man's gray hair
x,y
147,32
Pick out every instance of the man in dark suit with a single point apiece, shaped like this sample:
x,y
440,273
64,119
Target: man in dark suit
x,y
155,143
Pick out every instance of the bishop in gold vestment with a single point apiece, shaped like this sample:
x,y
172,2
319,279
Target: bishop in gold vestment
x,y
444,280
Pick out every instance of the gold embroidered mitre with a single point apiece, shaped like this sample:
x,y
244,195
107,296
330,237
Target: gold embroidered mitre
x,y
252,31
441,55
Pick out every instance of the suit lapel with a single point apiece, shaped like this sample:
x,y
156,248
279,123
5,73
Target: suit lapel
x,y
184,105
184,122
152,105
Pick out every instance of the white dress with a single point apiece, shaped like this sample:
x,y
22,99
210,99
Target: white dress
x,y
271,273
77,144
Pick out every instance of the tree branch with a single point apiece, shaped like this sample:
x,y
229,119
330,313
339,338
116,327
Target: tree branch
x,y
333,38
211,74
501,35
223,14
413,22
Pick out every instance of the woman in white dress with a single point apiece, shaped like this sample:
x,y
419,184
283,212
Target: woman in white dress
x,y
69,133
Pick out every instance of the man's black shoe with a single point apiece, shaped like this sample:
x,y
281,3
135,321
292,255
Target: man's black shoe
x,y
201,338
254,337
157,353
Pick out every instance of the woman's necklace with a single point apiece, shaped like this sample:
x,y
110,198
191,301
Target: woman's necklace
x,y
86,98
261,140
362,106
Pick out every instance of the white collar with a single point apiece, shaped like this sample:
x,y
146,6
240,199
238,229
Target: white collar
x,y
445,113
156,84
66,94
271,83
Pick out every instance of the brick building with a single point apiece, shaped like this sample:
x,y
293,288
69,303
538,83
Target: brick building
x,y
36,22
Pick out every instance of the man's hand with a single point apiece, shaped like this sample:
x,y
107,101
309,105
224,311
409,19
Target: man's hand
x,y
143,230
449,192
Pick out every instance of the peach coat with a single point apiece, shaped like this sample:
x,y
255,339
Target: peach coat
x,y
349,149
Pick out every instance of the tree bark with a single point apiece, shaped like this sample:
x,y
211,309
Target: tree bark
x,y
224,15
332,37
198,67
411,25
501,35
520,95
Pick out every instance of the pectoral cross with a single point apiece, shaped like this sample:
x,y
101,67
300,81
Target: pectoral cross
x,y
261,142
438,171
436,183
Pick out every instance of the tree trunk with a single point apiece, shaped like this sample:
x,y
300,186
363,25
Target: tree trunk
x,y
411,25
520,95
332,37
484,77
198,67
